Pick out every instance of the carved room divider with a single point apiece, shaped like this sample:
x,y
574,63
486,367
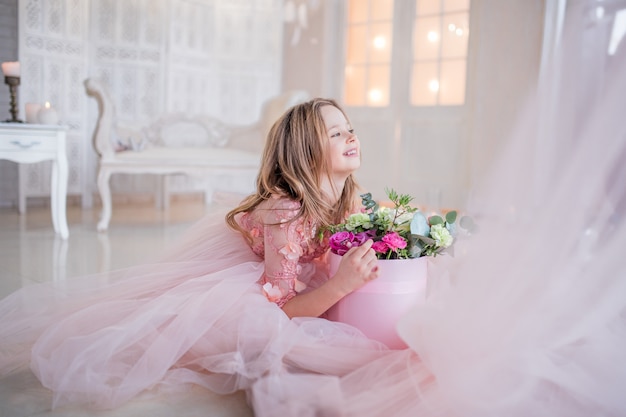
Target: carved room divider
x,y
217,57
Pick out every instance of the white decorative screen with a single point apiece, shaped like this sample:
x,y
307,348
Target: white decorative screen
x,y
52,54
217,57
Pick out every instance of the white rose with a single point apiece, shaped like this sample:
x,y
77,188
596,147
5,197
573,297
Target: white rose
x,y
441,235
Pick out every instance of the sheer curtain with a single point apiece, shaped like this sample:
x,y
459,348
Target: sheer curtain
x,y
530,317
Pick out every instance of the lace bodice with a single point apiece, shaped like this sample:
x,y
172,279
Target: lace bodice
x,y
286,246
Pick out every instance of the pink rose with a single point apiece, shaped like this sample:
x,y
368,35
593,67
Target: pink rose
x,y
394,241
380,247
361,237
341,242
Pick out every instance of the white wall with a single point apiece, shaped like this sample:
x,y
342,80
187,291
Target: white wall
x,y
505,44
505,50
435,154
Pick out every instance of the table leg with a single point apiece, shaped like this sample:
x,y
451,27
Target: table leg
x,y
21,198
58,196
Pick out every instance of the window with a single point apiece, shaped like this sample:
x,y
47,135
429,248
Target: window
x,y
368,60
440,33
434,32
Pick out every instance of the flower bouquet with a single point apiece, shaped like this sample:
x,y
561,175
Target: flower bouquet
x,y
403,238
401,232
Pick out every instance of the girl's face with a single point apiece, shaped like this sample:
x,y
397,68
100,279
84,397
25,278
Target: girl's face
x,y
344,147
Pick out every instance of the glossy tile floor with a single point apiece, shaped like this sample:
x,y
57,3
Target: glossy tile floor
x,y
30,252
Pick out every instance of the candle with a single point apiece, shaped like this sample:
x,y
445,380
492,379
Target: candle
x,y
32,112
11,69
47,115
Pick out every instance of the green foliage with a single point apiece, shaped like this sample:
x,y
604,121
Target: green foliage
x,y
433,220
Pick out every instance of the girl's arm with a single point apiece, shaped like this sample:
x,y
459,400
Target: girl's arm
x,y
284,237
357,267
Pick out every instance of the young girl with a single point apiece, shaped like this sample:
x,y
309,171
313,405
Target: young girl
x,y
305,184
217,312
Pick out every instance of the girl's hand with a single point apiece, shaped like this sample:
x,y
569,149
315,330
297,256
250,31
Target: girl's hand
x,y
357,267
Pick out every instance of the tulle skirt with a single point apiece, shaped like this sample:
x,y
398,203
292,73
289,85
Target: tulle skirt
x,y
197,317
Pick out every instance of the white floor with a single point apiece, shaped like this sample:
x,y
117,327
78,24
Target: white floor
x,y
30,252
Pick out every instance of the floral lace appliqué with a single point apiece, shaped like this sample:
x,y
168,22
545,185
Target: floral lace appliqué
x,y
284,244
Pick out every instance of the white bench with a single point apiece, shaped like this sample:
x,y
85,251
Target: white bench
x,y
176,144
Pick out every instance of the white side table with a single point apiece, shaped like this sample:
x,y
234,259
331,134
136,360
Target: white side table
x,y
28,143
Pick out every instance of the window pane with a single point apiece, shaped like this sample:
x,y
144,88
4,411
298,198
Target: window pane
x,y
427,7
368,56
357,47
382,10
355,85
452,83
380,43
455,35
378,86
455,5
357,11
440,41
425,84
426,38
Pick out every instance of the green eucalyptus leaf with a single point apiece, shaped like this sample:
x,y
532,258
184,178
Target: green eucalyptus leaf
x,y
414,247
467,223
433,220
415,251
368,202
419,224
424,239
451,216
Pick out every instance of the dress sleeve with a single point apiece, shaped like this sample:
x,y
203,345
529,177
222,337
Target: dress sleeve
x,y
283,249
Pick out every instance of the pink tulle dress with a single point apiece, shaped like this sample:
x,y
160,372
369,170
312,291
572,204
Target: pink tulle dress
x,y
208,314
517,337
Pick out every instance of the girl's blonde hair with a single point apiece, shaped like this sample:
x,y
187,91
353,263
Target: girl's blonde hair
x,y
295,162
